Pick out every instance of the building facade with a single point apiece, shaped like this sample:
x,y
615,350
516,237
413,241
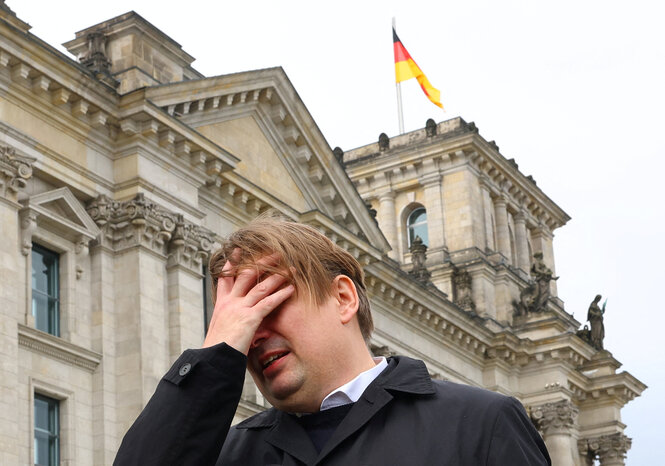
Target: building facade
x,y
121,169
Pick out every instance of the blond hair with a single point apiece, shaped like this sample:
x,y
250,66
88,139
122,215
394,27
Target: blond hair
x,y
307,258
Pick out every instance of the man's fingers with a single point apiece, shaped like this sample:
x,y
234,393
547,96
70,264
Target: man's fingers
x,y
224,282
273,301
249,276
264,288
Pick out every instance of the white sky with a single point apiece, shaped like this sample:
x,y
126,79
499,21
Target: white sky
x,y
573,90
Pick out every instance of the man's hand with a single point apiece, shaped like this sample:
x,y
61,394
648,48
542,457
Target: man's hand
x,y
242,303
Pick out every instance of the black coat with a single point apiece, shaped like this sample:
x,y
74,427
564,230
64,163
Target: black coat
x,y
403,418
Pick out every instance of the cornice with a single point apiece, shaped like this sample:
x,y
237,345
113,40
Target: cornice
x,y
270,92
427,307
57,348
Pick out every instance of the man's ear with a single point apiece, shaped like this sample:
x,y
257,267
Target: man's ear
x,y
344,291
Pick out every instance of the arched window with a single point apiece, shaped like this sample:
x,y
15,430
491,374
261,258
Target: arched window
x,y
416,225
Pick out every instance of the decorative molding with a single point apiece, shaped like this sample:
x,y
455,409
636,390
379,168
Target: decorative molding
x,y
15,171
190,245
555,418
312,164
420,313
141,222
60,212
610,449
57,348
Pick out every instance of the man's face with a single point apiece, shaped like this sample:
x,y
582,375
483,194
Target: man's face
x,y
292,356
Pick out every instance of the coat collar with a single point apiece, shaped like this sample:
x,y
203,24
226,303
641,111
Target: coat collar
x,y
403,375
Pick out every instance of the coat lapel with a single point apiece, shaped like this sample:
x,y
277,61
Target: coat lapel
x,y
402,375
289,436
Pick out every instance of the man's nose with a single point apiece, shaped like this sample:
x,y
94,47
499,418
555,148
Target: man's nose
x,y
262,333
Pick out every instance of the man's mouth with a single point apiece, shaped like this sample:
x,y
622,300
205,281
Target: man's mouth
x,y
272,359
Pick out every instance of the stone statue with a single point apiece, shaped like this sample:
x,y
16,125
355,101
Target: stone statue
x,y
543,275
384,142
430,128
418,257
595,318
462,289
534,297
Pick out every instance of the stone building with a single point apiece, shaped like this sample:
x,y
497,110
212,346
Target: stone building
x,y
122,168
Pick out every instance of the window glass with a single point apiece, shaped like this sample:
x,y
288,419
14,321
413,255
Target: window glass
x,y
47,431
207,298
417,225
45,290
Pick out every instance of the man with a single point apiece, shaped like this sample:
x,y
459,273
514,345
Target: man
x,y
291,307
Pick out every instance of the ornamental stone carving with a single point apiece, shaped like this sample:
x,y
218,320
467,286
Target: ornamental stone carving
x,y
95,58
534,297
15,170
383,350
430,128
384,142
609,449
190,245
462,289
554,418
418,251
141,222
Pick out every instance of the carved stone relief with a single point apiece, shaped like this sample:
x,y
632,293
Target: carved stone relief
x,y
15,170
554,418
534,297
418,258
141,222
462,289
609,449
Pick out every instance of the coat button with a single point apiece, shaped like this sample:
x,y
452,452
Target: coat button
x,y
184,369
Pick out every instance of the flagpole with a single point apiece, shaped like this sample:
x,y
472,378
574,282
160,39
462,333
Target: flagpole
x,y
400,115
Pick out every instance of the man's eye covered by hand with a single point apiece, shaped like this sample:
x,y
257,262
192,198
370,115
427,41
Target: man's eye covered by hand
x,y
243,299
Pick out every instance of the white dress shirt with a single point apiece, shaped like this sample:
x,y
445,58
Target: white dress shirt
x,y
351,391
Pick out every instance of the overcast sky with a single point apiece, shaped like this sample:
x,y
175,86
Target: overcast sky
x,y
573,90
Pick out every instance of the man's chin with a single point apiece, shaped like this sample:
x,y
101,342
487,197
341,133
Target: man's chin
x,y
285,396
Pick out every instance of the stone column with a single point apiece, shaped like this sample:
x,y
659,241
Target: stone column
x,y
523,259
137,232
189,248
487,213
502,232
388,221
557,422
14,173
435,224
609,449
104,416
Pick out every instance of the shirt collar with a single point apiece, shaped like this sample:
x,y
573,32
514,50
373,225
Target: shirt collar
x,y
351,391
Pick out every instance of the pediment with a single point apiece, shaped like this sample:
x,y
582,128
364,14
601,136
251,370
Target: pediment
x,y
259,117
60,211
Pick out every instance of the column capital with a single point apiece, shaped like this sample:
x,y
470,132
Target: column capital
x,y
555,418
500,200
485,182
15,170
520,216
610,449
387,195
141,222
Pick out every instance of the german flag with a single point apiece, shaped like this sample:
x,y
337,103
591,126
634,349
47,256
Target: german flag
x,y
406,68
